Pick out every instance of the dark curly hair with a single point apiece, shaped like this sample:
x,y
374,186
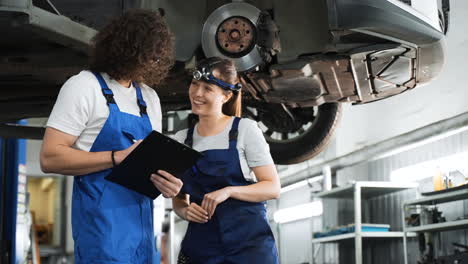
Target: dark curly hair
x,y
136,46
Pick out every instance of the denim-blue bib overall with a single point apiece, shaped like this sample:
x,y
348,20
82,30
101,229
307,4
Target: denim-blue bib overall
x,y
112,224
238,232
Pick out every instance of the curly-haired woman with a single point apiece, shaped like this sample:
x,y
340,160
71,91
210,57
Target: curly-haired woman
x,y
98,116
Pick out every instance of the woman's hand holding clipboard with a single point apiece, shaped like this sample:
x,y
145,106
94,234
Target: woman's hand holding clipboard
x,y
166,183
156,152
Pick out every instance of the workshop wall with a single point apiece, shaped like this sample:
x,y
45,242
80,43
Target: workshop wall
x,y
295,237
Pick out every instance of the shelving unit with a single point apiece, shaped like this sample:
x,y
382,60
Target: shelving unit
x,y
437,227
332,239
359,191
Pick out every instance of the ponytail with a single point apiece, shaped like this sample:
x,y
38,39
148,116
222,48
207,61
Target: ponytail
x,y
233,107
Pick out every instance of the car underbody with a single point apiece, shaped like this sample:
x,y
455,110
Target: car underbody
x,y
298,61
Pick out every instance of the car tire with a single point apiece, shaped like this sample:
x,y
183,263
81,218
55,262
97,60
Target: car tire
x,y
311,142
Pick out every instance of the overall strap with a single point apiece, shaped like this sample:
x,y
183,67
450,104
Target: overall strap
x,y
141,103
233,133
108,95
189,139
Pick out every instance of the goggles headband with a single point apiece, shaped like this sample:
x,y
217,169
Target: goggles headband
x,y
205,72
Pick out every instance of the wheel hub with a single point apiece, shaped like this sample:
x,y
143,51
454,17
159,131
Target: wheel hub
x,y
236,36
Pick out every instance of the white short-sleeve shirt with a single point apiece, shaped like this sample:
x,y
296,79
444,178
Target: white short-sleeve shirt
x,y
81,109
252,147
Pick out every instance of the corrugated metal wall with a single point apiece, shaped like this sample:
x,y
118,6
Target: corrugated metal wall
x,y
295,238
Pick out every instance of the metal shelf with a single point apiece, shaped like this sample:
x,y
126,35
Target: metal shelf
x,y
450,196
369,189
357,192
452,225
376,235
440,198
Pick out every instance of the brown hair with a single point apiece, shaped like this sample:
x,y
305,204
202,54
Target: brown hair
x,y
225,70
136,46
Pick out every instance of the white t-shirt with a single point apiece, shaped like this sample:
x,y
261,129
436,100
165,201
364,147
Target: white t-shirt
x,y
253,149
81,109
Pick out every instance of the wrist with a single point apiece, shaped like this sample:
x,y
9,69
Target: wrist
x,y
230,191
113,162
117,155
184,211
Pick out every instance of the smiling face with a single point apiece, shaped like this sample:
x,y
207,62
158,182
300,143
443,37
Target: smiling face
x,y
207,99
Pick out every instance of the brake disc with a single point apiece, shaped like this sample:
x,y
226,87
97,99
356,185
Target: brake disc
x,y
231,32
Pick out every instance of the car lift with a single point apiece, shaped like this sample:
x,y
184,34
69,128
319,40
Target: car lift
x,y
12,154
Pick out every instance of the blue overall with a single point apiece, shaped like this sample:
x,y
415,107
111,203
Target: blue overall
x,y
238,232
112,224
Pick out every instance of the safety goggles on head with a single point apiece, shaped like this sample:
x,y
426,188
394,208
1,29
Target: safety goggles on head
x,y
205,72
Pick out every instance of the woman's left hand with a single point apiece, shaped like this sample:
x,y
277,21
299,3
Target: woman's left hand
x,y
168,184
212,199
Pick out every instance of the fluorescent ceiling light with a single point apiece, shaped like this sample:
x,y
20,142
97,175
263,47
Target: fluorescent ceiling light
x,y
427,169
298,212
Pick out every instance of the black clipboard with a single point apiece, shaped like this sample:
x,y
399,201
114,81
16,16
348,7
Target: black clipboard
x,y
155,152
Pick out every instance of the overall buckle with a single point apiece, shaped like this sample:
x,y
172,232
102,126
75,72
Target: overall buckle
x,y
109,98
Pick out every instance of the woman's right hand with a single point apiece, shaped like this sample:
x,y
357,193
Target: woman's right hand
x,y
194,213
122,154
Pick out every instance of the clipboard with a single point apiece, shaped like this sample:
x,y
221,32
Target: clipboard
x,y
155,152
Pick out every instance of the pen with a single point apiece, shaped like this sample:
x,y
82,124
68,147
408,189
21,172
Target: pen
x,y
129,136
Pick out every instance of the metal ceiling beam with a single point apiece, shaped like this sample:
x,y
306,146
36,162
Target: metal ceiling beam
x,y
57,28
